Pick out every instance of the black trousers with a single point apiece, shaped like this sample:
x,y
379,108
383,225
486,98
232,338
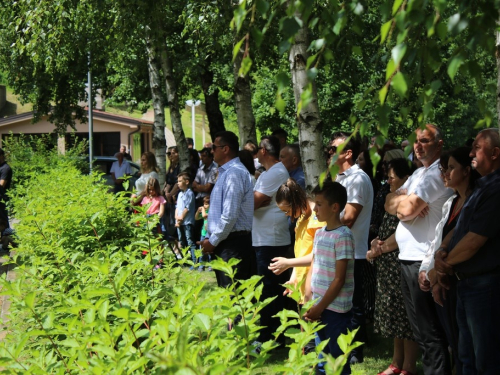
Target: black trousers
x,y
424,321
238,247
358,306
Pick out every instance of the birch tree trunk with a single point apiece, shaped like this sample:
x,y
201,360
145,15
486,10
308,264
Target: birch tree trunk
x,y
173,105
212,106
308,121
159,142
243,103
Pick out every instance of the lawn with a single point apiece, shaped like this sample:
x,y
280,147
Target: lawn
x,y
378,351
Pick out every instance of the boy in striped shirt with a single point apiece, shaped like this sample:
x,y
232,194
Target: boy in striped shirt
x,y
331,277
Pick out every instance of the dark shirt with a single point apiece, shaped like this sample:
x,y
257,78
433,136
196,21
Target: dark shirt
x,y
480,216
298,175
5,174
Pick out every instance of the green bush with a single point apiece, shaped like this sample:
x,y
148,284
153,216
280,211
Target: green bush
x,y
85,299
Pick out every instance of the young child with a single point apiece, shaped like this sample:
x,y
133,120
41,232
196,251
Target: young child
x,y
152,195
184,214
331,277
202,214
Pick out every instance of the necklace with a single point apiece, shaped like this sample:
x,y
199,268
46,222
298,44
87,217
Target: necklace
x,y
456,210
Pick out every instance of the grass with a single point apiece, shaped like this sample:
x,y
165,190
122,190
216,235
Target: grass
x,y
377,352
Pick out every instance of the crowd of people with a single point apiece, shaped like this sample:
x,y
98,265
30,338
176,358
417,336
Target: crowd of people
x,y
409,244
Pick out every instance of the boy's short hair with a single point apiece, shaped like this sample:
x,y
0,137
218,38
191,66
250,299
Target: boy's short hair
x,y
333,192
206,199
185,176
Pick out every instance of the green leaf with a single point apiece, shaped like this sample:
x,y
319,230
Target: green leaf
x,y
396,6
121,277
257,35
454,64
398,83
246,64
289,27
237,48
384,31
202,321
391,68
30,300
262,6
357,51
398,53
382,94
103,310
280,104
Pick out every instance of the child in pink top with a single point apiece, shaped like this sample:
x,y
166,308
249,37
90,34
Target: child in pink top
x,y
151,195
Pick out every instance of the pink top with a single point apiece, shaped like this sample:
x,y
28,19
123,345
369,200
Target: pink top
x,y
155,204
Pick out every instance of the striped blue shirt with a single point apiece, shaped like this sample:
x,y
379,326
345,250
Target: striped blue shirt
x,y
231,202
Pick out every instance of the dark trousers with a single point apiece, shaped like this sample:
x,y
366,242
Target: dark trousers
x,y
3,211
448,318
424,321
236,247
358,306
335,325
478,318
272,288
187,239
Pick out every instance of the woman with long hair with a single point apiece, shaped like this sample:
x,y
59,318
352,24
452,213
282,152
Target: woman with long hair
x,y
458,175
149,169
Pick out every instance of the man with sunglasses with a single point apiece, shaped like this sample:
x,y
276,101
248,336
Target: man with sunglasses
x,y
356,216
231,210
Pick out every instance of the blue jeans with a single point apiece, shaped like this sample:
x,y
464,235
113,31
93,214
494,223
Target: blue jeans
x,y
272,288
336,324
478,319
186,238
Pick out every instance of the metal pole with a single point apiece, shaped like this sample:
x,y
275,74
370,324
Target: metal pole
x,y
91,124
192,130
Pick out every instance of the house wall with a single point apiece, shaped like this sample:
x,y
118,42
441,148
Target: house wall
x,y
44,127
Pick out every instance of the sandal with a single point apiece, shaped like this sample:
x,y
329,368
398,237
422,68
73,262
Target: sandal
x,y
394,370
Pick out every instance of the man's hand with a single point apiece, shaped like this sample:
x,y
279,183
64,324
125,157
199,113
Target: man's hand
x,y
424,284
313,314
440,263
443,280
207,247
424,212
439,294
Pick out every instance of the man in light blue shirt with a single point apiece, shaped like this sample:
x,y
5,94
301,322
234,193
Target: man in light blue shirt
x,y
231,210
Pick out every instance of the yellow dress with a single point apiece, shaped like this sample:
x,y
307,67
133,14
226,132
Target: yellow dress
x,y
304,237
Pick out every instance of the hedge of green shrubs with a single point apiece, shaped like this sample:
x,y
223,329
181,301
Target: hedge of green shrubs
x,y
85,299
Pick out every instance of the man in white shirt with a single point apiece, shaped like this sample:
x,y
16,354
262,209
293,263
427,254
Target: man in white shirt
x,y
119,169
356,216
418,205
270,235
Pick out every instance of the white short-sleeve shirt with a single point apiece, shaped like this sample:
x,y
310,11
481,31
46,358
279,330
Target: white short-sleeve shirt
x,y
415,236
359,190
270,224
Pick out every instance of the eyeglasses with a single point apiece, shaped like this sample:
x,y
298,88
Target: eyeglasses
x,y
214,146
332,149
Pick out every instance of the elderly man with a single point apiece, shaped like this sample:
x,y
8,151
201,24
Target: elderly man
x,y
126,155
119,169
270,235
356,216
472,257
418,204
231,210
290,157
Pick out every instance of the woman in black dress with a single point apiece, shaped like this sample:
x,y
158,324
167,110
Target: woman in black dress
x,y
391,320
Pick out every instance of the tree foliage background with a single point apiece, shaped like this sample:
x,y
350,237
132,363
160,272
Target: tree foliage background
x,y
380,67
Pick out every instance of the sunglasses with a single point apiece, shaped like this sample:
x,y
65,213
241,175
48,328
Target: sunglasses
x,y
332,149
215,146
